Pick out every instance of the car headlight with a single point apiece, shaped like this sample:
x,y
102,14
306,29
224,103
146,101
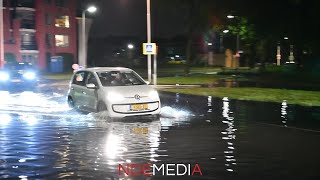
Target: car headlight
x,y
112,96
4,76
29,75
154,94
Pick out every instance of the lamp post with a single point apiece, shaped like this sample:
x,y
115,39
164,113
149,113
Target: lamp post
x,y
238,37
149,36
83,59
1,35
130,51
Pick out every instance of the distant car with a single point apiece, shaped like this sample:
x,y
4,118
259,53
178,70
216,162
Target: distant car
x,y
18,74
120,92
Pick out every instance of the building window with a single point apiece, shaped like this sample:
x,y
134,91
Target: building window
x,y
49,40
62,40
48,19
61,3
62,21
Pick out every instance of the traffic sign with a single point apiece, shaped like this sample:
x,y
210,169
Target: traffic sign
x,y
149,48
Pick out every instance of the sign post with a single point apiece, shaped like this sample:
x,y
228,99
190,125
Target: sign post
x,y
151,49
149,36
155,67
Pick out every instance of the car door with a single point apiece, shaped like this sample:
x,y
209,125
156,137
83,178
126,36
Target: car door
x,y
77,89
90,96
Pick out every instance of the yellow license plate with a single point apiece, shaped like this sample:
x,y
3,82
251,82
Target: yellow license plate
x,y
139,107
140,130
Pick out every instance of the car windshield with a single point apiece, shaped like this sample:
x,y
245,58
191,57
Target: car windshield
x,y
18,66
119,78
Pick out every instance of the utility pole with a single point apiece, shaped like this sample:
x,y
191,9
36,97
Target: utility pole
x,y
149,37
1,35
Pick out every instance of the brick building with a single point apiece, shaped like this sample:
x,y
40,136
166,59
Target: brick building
x,y
35,30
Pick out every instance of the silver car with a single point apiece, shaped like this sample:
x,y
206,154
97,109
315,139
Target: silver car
x,y
120,92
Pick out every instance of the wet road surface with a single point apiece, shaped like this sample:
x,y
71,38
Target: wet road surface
x,y
41,138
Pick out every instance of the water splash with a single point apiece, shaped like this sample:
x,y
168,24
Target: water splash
x,y
169,112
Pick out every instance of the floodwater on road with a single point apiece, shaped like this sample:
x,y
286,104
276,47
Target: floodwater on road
x,y
41,138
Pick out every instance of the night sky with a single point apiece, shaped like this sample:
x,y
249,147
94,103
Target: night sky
x,y
128,18
275,17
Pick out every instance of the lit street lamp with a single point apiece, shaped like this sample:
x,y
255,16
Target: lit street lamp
x,y
230,16
225,31
83,59
130,46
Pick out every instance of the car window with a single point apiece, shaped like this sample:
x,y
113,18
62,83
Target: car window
x,y
118,78
79,78
18,66
91,79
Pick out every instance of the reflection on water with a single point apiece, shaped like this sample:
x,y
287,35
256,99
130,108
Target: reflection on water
x,y
284,113
229,136
221,135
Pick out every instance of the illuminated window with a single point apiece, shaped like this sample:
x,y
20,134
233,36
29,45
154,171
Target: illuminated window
x,y
62,40
62,21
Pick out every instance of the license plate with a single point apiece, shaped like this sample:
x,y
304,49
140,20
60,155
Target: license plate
x,y
140,130
138,107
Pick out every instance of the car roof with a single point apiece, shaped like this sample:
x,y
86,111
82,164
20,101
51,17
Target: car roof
x,y
98,69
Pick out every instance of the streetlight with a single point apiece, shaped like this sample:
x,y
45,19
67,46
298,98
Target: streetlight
x,y
1,35
230,16
238,38
83,59
149,37
130,46
225,31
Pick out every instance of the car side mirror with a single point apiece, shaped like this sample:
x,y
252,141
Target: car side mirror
x,y
91,86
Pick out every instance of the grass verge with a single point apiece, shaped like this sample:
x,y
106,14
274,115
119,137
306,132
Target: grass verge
x,y
300,97
195,79
62,76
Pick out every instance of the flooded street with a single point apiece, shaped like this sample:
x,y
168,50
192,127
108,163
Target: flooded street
x,y
41,138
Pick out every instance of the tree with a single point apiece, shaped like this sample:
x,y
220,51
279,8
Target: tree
x,y
196,16
244,29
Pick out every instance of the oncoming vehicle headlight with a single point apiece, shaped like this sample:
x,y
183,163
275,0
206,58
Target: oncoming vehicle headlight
x,y
153,94
112,96
4,76
29,75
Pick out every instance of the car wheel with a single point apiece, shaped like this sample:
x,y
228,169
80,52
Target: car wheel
x,y
70,102
101,107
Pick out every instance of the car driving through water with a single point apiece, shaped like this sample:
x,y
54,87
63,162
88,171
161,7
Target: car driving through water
x,y
120,92
18,74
